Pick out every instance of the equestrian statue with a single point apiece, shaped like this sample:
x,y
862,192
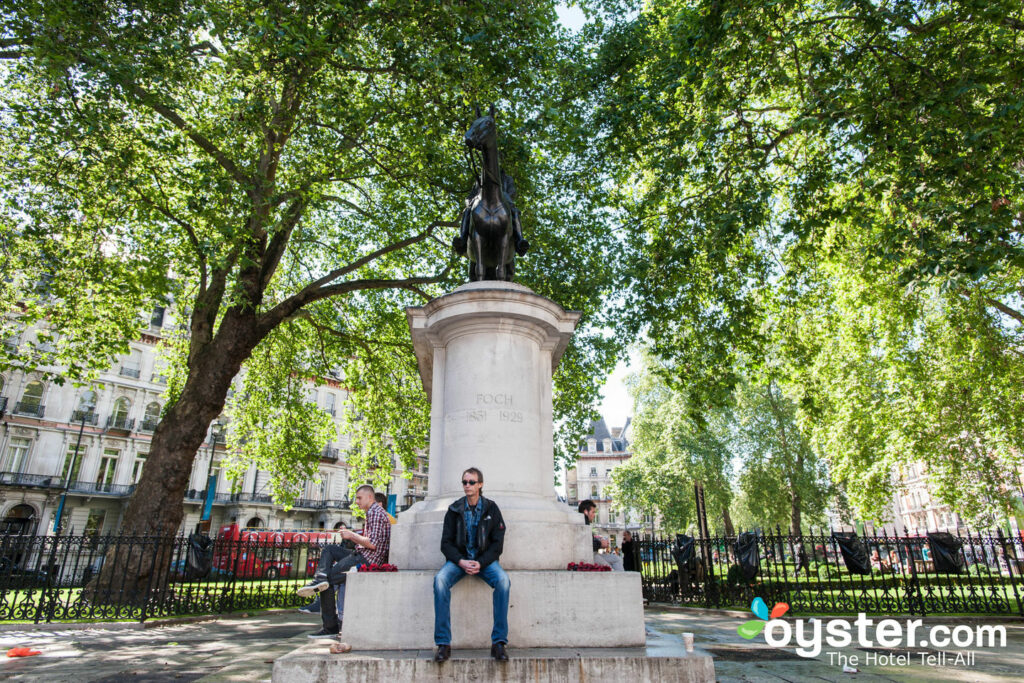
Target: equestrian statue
x,y
490,234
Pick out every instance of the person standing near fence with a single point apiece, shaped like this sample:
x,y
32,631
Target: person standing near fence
x,y
629,554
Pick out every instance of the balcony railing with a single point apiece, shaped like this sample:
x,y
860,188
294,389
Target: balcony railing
x,y
195,495
120,423
242,498
22,479
98,488
88,416
29,408
128,371
158,379
149,424
330,454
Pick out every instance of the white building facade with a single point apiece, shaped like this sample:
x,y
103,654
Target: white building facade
x,y
111,422
601,451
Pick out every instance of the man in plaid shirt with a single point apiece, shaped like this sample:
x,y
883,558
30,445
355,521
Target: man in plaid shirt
x,y
372,547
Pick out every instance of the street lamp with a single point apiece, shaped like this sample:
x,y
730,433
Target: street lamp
x,y
211,479
67,481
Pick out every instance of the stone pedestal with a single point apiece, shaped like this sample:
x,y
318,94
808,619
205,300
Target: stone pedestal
x,y
486,353
395,611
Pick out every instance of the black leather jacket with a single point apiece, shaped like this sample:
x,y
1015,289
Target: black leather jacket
x,y
490,533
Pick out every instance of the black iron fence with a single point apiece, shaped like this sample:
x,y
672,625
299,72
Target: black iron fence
x,y
48,578
838,573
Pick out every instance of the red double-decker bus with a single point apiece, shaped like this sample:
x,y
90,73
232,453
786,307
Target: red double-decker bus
x,y
268,553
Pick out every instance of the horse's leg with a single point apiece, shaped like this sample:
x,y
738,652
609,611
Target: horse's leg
x,y
499,270
481,268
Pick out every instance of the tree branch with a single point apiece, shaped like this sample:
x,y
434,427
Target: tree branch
x,y
1004,309
279,241
359,263
269,320
200,140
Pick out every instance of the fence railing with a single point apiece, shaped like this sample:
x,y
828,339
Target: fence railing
x,y
49,578
969,574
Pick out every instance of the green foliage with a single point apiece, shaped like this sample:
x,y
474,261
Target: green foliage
x,y
751,456
273,424
783,481
266,163
827,198
671,452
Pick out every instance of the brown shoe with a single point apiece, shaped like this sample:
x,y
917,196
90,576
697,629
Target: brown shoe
x,y
498,652
443,653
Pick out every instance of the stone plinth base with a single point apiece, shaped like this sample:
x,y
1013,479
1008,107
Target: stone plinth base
x,y
540,534
395,611
313,663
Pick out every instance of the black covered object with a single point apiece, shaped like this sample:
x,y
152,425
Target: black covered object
x,y
855,553
682,551
946,552
747,554
200,555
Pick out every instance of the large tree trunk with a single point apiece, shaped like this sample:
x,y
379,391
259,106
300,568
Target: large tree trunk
x,y
137,566
727,520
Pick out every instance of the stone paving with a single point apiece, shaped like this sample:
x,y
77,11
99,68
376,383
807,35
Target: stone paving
x,y
243,649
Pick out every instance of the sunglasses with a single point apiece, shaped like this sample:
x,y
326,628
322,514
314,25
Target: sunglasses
x,y
466,482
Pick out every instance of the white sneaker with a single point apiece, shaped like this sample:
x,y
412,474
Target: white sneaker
x,y
312,588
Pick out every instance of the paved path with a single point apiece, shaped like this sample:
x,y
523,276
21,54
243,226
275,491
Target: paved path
x,y
243,649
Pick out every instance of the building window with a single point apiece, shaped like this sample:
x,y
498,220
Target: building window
x,y
108,468
608,472
119,417
94,525
593,472
132,364
140,461
151,417
592,446
31,400
329,404
72,463
157,321
17,454
593,491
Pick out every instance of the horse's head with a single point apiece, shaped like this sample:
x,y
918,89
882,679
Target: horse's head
x,y
480,131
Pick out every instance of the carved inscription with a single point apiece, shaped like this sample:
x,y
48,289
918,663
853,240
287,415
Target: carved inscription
x,y
504,400
496,407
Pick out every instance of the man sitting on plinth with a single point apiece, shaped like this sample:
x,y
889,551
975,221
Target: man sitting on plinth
x,y
335,560
471,541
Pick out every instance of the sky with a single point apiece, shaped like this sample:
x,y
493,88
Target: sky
x,y
617,405
570,17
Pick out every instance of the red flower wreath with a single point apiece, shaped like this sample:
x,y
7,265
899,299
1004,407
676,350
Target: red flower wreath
x,y
586,567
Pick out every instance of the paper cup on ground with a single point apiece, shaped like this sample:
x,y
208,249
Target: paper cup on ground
x,y
688,641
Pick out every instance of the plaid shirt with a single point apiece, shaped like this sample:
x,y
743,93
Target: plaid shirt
x,y
378,530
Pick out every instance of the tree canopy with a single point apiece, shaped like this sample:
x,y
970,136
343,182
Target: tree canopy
x,y
828,198
287,173
750,457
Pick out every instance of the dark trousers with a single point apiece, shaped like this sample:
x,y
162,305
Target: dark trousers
x,y
335,561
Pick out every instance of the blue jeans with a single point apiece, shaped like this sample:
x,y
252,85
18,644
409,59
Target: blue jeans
x,y
449,575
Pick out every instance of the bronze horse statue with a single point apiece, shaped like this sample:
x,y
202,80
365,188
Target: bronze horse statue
x,y
490,234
